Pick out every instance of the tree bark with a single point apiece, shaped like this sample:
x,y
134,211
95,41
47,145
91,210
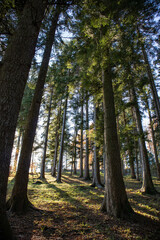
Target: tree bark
x,y
19,201
151,78
81,147
147,185
152,84
54,164
96,172
154,141
115,200
13,76
75,150
86,165
42,176
137,163
17,152
130,152
60,163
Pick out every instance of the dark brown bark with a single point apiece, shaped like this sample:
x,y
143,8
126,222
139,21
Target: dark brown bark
x,y
13,76
96,172
81,147
147,185
86,164
60,163
115,200
42,176
19,201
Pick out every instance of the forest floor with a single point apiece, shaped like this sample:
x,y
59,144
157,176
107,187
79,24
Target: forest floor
x,y
71,210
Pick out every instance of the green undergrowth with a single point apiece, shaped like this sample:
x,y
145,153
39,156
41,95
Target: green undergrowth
x,y
71,210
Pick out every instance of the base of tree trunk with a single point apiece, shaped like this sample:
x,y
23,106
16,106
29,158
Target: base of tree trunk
x,y
5,229
58,181
53,175
19,205
42,178
87,179
151,191
123,211
81,176
133,177
101,186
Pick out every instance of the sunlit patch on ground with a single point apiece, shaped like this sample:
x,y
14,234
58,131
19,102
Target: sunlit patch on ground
x,y
71,210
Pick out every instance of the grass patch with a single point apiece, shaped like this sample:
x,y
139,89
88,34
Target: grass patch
x,y
71,210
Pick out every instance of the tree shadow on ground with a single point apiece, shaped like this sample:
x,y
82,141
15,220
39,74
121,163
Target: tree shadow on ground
x,y
71,218
92,218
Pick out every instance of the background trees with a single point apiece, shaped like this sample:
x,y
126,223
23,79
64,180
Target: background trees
x,y
108,64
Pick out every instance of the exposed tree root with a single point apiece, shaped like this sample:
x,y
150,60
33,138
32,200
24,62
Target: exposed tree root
x,y
19,205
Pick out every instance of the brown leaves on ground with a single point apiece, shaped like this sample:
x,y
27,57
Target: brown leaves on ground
x,y
70,210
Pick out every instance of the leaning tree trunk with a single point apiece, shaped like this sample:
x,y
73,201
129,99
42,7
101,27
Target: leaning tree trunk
x,y
60,163
96,172
147,185
86,164
115,200
13,77
19,201
81,147
42,175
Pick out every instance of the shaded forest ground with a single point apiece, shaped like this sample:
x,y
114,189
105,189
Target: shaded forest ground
x,y
70,210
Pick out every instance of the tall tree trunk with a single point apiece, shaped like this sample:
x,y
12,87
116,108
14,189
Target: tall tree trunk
x,y
130,152
115,200
136,157
75,150
153,140
118,132
13,76
147,185
96,172
81,147
86,165
19,201
151,79
17,152
42,176
152,84
60,163
54,163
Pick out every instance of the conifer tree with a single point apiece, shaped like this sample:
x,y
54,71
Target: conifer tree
x,y
14,71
